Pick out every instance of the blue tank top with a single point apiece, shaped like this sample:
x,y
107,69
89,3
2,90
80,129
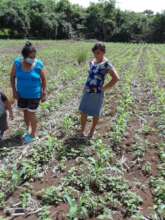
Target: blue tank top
x,y
29,84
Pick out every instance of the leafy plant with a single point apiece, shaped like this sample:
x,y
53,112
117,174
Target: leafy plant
x,y
147,129
139,151
159,189
116,184
45,214
25,198
89,203
73,208
2,199
52,195
71,192
138,216
81,56
46,105
68,123
132,202
104,154
107,214
27,169
147,168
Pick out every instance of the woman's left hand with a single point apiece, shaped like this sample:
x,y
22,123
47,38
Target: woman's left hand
x,y
104,89
43,99
11,116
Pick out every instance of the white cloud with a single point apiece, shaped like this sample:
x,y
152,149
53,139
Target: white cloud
x,y
134,5
84,3
141,5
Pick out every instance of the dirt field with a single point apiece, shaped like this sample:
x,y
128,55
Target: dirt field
x,y
118,175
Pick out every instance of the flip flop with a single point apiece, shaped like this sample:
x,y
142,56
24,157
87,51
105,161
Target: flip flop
x,y
24,135
29,139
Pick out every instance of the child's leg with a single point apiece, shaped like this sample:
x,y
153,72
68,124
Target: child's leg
x,y
83,122
94,123
3,124
1,134
33,122
26,119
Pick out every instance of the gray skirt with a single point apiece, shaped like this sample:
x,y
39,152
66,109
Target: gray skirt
x,y
3,123
92,104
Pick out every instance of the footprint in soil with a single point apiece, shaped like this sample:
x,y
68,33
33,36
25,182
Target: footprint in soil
x,y
75,141
14,141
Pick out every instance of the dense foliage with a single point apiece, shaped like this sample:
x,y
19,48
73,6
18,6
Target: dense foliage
x,y
60,19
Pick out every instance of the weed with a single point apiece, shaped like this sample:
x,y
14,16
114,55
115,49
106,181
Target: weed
x,y
81,56
45,213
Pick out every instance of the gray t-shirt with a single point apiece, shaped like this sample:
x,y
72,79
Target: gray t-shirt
x,y
3,99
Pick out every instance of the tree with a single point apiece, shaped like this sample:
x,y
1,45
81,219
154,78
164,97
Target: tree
x,y
14,16
60,19
158,28
100,20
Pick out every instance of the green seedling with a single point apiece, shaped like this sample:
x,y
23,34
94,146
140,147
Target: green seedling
x,y
147,168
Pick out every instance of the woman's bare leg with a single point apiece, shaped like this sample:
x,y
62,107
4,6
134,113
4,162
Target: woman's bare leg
x,y
93,128
33,123
83,122
26,119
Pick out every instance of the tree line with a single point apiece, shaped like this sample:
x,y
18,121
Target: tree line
x,y
60,19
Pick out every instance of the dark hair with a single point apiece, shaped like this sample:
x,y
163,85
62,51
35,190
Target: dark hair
x,y
27,49
99,46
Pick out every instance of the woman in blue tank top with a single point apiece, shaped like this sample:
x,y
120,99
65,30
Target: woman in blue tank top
x,y
28,82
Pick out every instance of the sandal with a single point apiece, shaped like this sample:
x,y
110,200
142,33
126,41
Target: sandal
x,y
28,138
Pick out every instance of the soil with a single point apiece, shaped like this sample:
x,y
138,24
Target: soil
x,y
135,126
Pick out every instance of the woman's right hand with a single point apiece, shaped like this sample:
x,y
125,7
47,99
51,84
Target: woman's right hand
x,y
15,94
43,99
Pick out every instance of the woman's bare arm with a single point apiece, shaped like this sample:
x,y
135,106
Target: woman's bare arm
x,y
114,80
8,107
12,81
44,84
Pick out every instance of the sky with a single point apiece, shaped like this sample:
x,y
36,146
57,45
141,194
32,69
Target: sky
x,y
133,5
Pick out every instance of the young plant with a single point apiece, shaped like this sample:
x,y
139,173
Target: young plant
x,y
132,202
138,151
52,195
159,189
104,154
2,199
147,168
68,123
107,214
25,198
81,56
45,214
73,208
